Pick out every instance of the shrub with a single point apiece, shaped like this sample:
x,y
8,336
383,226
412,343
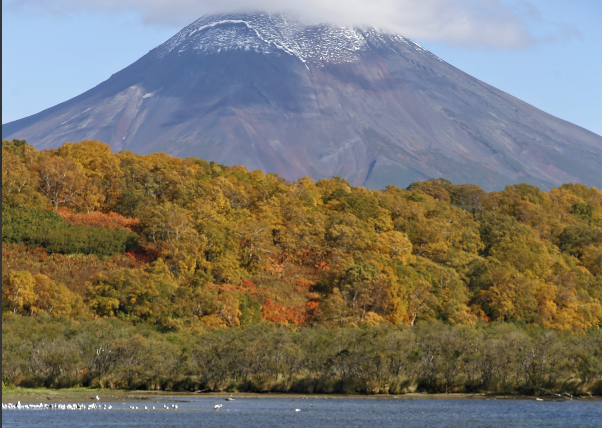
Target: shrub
x,y
43,228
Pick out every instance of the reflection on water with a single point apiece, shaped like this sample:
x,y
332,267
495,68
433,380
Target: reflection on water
x,y
319,412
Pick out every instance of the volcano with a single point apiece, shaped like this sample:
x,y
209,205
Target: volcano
x,y
268,92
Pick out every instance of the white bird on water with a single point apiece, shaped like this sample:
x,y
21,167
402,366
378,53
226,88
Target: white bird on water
x,y
218,406
297,410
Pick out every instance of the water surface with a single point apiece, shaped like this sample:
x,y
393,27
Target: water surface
x,y
320,412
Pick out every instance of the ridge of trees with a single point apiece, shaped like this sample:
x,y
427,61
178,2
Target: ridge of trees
x,y
216,247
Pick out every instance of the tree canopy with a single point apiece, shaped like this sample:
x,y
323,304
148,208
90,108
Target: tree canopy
x,y
185,243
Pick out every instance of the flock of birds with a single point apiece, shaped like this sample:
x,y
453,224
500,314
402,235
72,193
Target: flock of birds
x,y
92,406
55,406
75,406
172,407
79,406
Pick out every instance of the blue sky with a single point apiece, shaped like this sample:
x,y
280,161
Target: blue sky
x,y
550,55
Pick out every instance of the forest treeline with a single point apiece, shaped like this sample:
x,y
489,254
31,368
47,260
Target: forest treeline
x,y
179,243
190,247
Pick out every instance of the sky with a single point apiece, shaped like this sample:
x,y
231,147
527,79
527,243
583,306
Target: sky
x,y
545,52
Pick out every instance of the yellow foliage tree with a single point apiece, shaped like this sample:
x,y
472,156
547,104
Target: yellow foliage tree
x,y
592,259
61,181
18,183
18,290
54,298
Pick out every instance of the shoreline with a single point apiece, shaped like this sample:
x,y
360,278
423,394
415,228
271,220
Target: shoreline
x,y
38,395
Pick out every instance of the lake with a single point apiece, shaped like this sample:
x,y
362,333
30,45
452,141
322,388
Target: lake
x,y
320,412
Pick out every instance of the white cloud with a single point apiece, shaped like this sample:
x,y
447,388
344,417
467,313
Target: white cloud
x,y
459,22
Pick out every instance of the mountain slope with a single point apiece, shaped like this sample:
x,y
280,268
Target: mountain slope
x,y
268,92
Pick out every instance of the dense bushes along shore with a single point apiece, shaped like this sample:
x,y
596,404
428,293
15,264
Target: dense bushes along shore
x,y
432,356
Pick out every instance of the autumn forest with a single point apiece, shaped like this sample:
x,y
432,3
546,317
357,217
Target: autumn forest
x,y
129,271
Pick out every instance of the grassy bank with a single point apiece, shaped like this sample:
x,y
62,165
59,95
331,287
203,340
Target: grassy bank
x,y
83,395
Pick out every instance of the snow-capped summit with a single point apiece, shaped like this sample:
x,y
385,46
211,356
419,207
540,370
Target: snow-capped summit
x,y
269,92
271,34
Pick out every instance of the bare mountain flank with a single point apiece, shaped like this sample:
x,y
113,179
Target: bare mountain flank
x,y
270,93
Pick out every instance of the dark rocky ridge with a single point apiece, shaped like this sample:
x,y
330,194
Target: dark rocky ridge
x,y
268,93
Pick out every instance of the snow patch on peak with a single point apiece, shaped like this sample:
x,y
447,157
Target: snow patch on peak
x,y
269,34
